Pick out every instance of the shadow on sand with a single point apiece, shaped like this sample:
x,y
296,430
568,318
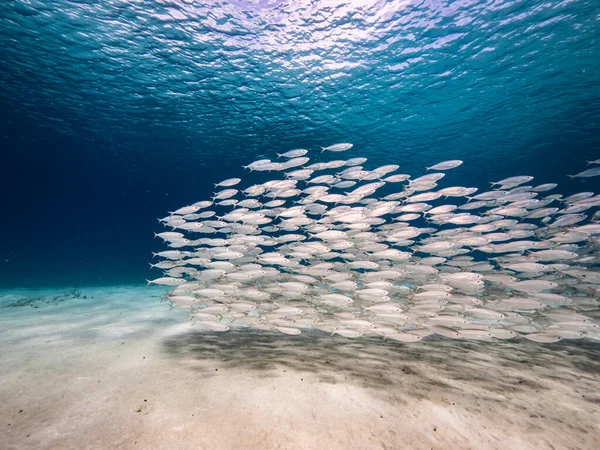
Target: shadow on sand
x,y
498,367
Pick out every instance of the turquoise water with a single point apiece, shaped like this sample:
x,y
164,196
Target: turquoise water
x,y
115,112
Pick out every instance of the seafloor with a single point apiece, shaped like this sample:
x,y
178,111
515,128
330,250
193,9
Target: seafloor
x,y
114,368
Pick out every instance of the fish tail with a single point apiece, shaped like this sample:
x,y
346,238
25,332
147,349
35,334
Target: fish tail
x,y
571,176
323,149
426,168
148,282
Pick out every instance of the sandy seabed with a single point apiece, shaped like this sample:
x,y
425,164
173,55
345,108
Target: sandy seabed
x,y
113,368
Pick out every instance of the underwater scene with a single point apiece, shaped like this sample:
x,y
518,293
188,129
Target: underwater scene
x,y
276,224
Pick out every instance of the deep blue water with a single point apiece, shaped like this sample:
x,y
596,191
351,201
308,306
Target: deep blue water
x,y
114,112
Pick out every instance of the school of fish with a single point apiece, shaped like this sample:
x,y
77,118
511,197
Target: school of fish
x,y
352,251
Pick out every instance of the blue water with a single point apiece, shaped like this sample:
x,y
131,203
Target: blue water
x,y
114,112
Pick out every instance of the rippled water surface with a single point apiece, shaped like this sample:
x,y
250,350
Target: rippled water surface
x,y
114,112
